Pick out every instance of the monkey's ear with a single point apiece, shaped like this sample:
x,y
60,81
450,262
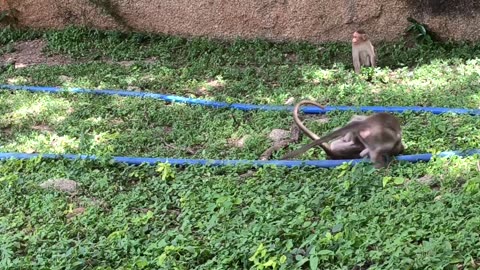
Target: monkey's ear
x,y
365,37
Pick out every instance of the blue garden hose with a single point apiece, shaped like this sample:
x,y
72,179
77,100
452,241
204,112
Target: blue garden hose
x,y
243,107
212,162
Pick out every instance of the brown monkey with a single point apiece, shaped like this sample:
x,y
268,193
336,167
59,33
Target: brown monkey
x,y
363,52
380,133
346,147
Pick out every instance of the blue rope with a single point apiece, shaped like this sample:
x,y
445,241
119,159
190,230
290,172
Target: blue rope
x,y
213,162
243,107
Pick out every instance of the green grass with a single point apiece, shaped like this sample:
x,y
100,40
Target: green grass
x,y
207,218
260,72
214,218
428,85
107,125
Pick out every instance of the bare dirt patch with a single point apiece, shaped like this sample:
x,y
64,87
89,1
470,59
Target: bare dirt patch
x,y
128,63
28,53
42,127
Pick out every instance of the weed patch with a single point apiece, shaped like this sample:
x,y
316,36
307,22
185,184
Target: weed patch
x,y
408,216
209,218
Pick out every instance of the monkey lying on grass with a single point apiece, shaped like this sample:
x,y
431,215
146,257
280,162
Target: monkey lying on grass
x,y
378,136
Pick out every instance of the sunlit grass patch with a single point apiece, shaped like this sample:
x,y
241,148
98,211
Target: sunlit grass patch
x,y
233,217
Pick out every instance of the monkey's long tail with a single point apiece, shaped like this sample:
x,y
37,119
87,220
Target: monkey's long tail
x,y
299,123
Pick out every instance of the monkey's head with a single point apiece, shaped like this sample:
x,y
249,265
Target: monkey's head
x,y
359,36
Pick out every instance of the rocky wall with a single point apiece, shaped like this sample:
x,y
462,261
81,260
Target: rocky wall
x,y
312,20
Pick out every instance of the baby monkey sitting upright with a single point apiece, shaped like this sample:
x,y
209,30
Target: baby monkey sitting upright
x,y
363,53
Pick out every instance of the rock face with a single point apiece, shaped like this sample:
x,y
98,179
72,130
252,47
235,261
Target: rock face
x,y
312,20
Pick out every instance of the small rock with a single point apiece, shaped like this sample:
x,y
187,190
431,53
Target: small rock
x,y
291,56
426,180
97,201
117,121
29,150
64,78
126,63
322,120
93,202
134,88
290,101
20,65
249,173
151,60
17,80
75,212
60,184
215,83
148,77
279,134
240,143
42,127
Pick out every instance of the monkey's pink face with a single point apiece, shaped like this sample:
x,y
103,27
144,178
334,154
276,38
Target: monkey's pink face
x,y
357,38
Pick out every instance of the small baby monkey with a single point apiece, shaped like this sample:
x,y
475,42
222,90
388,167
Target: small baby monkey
x,y
363,53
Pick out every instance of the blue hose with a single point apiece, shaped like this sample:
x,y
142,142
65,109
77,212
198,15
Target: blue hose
x,y
211,162
245,107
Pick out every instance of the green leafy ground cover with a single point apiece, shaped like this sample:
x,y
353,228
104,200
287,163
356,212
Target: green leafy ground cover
x,y
409,216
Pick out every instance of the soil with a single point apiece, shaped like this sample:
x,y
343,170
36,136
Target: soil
x,y
28,53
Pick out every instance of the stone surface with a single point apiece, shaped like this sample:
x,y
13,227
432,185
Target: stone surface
x,y
279,134
239,143
313,20
60,184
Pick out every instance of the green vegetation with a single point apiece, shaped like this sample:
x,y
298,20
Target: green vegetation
x,y
107,125
409,216
207,218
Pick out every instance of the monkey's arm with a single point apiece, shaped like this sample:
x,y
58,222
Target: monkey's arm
x,y
356,60
372,56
